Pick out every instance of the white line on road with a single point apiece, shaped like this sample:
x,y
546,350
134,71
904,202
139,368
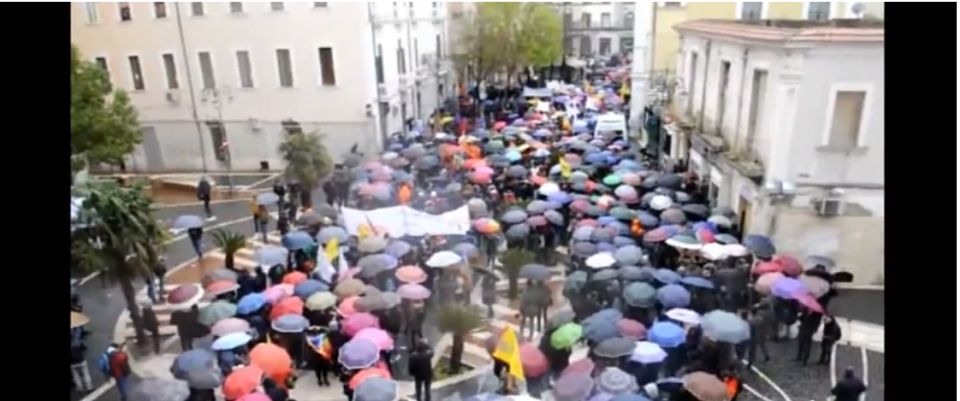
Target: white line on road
x,y
866,379
772,383
833,366
755,392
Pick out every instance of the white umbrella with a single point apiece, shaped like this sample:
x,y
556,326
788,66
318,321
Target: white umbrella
x,y
443,259
684,315
648,352
601,260
683,245
736,250
714,251
549,188
660,202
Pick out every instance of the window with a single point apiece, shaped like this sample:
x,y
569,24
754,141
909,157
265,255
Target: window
x,y
245,69
196,9
628,20
206,70
92,16
722,95
218,135
170,68
692,74
102,63
125,14
846,119
327,76
285,68
379,64
672,4
236,7
751,10
319,4
439,48
586,46
276,6
605,20
401,59
160,10
604,46
585,20
818,10
136,73
757,92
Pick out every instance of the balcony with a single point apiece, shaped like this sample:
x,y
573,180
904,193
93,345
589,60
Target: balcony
x,y
580,26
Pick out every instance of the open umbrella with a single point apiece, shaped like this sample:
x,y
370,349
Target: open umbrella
x,y
697,281
289,323
188,221
584,249
535,271
273,359
534,362
156,389
656,235
583,365
648,352
486,225
514,216
705,387
673,296
604,274
816,286
518,231
277,293
812,261
597,330
573,386
790,265
614,347
787,288
583,233
764,284
723,326
372,265
192,360
443,259
78,319
372,244
760,245
601,260
294,278
359,353
349,287
684,316
376,388
566,335
184,293
640,295
628,255
320,301
666,334
242,381
713,251
808,302
306,288
561,317
221,274
297,240
348,307
267,198
270,255
613,380
228,326
666,276
632,329
215,312
413,292
411,274
359,321
383,339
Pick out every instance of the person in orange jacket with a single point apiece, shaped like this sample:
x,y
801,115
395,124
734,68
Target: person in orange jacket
x,y
404,193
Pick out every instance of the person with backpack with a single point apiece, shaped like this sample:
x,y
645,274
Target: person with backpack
x,y
115,363
79,369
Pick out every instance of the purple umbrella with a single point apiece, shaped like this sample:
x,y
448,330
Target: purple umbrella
x,y
787,287
413,291
359,353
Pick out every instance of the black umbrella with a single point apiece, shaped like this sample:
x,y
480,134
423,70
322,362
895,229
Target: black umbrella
x,y
673,216
605,274
614,347
535,271
814,260
696,209
517,172
634,273
514,216
426,162
672,181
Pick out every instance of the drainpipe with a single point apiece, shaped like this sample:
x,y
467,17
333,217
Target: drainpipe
x,y
706,80
193,98
743,87
376,85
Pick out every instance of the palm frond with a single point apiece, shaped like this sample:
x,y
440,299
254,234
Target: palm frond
x,y
230,241
513,259
459,319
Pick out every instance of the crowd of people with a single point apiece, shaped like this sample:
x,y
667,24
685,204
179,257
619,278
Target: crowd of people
x,y
668,294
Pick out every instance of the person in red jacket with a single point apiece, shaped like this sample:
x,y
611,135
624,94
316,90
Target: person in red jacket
x,y
120,369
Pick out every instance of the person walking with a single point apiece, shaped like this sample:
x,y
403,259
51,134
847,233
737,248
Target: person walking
x,y
263,221
421,369
118,367
203,194
254,208
280,189
809,323
79,368
160,272
488,293
152,325
849,388
196,237
831,334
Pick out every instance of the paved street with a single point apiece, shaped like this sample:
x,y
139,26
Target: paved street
x,y
863,305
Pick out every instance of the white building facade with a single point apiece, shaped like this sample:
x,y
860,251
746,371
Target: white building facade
x,y
598,29
215,83
801,105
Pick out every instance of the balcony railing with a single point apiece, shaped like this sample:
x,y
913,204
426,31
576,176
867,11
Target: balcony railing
x,y
581,26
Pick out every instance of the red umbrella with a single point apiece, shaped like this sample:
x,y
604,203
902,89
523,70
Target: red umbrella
x,y
480,177
182,293
221,287
790,265
411,274
767,267
534,362
274,360
807,301
242,381
294,278
499,125
347,307
537,179
632,329
289,305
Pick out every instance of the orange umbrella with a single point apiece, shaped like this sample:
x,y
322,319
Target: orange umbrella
x,y
242,381
294,278
366,374
274,361
286,306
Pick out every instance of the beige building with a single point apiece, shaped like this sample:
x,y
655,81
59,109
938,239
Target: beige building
x,y
215,82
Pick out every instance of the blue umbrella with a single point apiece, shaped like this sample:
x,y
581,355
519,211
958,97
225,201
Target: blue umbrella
x,y
271,255
290,323
629,397
584,249
398,248
560,197
666,276
231,341
188,221
673,296
297,240
267,198
513,155
666,334
696,281
192,360
599,330
760,245
609,314
606,247
307,288
250,303
376,389
596,159
622,241
328,233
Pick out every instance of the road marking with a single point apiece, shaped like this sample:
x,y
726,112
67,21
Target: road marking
x,y
833,366
866,379
755,392
197,203
772,383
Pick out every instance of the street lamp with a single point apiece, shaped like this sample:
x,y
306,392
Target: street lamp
x,y
218,97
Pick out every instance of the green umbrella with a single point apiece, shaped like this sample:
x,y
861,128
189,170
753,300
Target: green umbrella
x,y
565,336
612,180
216,312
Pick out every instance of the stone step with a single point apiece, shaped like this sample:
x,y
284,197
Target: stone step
x,y
239,262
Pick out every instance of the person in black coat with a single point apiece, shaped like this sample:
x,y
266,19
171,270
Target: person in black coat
x,y
809,323
275,392
849,388
280,189
831,334
421,369
152,325
196,236
203,194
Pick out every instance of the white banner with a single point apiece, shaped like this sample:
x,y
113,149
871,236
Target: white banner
x,y
401,221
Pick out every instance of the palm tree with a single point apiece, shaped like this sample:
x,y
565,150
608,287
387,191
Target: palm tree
x,y
231,242
511,261
459,320
308,161
121,239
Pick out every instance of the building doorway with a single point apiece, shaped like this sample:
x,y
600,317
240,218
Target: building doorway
x,y
745,213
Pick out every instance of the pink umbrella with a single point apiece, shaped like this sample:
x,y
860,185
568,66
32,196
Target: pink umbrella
x,y
765,282
536,221
372,165
378,336
348,307
534,362
413,291
631,179
480,177
807,301
789,265
767,267
579,205
499,125
483,170
228,326
411,274
584,365
278,292
294,278
632,329
588,223
605,201
254,397
359,321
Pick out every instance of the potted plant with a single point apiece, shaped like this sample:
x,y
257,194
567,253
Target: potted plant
x,y
510,262
230,242
459,320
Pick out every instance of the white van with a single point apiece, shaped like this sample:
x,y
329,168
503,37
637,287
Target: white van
x,y
611,122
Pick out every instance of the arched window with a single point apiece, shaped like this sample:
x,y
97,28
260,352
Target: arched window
x,y
628,20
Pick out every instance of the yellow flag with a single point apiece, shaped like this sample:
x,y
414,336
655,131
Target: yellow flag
x,y
332,249
363,231
508,350
565,169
